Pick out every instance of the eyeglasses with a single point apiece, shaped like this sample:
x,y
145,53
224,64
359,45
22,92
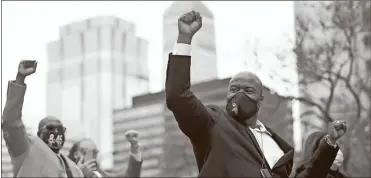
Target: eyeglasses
x,y
54,127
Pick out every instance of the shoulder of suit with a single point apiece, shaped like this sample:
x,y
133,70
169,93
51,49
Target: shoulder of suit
x,y
215,112
33,138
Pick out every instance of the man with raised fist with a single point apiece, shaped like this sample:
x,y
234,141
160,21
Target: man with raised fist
x,y
33,156
230,141
84,153
318,144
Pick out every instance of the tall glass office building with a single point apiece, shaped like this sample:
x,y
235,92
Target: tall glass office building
x,y
204,61
96,65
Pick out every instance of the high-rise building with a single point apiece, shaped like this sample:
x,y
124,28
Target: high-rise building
x,y
96,65
6,165
167,151
204,61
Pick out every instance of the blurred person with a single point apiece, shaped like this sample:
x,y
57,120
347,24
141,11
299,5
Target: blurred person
x,y
230,141
324,142
84,153
33,156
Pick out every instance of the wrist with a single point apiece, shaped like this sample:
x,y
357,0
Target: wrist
x,y
184,38
134,147
20,79
330,141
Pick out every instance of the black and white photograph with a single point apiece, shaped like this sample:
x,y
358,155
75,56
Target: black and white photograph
x,y
186,89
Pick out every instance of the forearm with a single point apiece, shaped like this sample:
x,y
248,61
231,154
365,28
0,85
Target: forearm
x,y
135,162
135,152
192,116
14,131
321,161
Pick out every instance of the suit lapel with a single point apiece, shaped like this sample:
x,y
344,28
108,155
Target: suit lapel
x,y
285,159
69,165
286,148
255,142
248,141
49,153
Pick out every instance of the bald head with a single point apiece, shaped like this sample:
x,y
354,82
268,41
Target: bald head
x,y
87,144
248,81
49,120
246,77
244,96
85,148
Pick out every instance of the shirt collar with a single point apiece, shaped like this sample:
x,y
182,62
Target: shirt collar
x,y
261,128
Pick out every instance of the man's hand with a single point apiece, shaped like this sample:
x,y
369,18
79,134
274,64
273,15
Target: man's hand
x,y
132,136
337,130
25,68
188,25
88,167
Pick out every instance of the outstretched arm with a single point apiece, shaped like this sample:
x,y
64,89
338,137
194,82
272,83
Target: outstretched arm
x,y
322,159
135,160
14,131
320,162
192,116
134,167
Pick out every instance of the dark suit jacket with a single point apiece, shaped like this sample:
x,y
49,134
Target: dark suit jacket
x,y
318,158
30,156
133,170
222,146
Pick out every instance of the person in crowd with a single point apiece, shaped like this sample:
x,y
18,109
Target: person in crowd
x,y
318,142
33,156
84,153
230,141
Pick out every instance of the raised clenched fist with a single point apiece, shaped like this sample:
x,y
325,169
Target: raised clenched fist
x,y
189,23
132,136
27,67
337,130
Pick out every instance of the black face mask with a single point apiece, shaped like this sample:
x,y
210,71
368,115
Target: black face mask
x,y
54,139
241,107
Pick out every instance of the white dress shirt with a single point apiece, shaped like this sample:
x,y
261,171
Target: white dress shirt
x,y
182,49
269,147
272,152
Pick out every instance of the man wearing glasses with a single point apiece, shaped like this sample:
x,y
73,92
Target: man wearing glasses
x,y
33,156
84,153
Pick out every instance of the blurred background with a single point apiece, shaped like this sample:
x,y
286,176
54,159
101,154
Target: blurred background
x,y
102,70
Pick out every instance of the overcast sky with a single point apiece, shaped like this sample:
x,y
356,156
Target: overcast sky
x,y
29,26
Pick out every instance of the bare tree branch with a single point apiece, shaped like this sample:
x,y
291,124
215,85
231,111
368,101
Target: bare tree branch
x,y
335,64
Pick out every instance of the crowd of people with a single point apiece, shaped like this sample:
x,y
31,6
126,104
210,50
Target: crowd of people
x,y
227,142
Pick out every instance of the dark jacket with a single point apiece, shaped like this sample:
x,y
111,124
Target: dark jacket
x,y
318,158
222,146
